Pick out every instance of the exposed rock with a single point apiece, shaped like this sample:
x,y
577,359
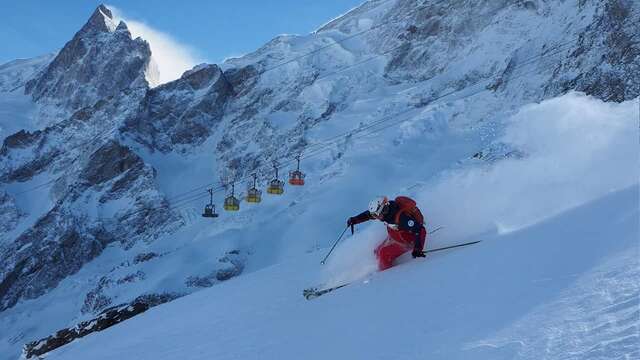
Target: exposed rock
x,y
182,112
137,276
28,170
19,165
108,162
26,154
143,257
59,246
242,79
234,262
20,140
100,22
95,300
609,51
63,240
10,214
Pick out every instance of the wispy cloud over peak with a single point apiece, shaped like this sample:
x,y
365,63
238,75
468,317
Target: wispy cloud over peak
x,y
170,56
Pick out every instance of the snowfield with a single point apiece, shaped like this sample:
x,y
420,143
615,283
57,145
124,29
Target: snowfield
x,y
555,277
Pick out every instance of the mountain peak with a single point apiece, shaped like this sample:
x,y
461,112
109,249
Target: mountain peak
x,y
100,21
99,61
122,26
105,10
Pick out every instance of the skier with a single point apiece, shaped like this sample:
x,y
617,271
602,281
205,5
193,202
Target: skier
x,y
405,228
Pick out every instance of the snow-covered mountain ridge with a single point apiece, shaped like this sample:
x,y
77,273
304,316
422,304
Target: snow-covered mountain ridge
x,y
106,170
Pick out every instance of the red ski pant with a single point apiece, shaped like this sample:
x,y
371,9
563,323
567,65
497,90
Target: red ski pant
x,y
397,243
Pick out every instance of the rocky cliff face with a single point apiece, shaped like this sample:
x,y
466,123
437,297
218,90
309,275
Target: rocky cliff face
x,y
101,60
66,236
98,168
183,112
604,62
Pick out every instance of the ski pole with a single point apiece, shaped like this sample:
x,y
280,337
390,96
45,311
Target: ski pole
x,y
436,230
451,247
334,245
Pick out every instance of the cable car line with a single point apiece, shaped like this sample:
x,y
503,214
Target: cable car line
x,y
322,144
362,133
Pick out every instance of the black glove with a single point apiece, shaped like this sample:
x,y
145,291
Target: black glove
x,y
350,221
417,254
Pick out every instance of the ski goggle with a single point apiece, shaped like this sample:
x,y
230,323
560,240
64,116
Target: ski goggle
x,y
381,208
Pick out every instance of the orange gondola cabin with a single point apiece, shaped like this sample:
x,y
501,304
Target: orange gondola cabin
x,y
296,177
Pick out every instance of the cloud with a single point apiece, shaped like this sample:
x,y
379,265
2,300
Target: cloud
x,y
171,57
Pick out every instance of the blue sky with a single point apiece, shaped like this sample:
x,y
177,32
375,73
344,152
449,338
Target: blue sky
x,y
211,30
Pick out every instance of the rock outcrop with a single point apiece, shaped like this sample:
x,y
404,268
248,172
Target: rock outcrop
x,y
605,61
10,214
183,112
66,238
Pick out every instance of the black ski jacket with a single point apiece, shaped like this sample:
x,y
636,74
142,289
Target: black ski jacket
x,y
405,222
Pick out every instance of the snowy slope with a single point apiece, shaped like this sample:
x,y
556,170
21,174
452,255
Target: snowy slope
x,y
501,298
556,290
17,111
14,74
422,104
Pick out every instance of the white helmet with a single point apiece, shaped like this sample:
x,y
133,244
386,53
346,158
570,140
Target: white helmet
x,y
376,205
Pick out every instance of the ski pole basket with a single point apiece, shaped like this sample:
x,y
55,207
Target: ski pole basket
x,y
231,203
296,177
253,194
276,186
210,209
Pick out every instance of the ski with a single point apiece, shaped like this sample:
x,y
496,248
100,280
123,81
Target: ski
x,y
312,293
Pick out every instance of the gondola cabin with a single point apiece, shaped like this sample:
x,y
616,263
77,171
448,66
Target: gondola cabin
x,y
210,209
231,203
296,177
254,195
276,186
